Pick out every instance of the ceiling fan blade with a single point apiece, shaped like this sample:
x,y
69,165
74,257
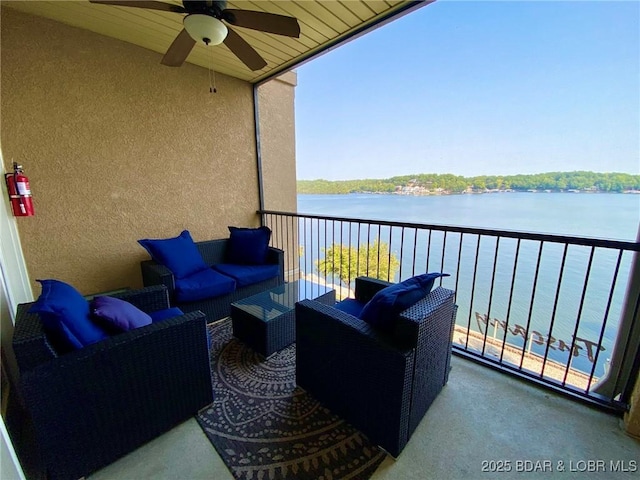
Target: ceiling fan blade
x,y
143,4
263,21
179,50
244,51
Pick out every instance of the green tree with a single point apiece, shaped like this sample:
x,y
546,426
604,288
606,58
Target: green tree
x,y
350,262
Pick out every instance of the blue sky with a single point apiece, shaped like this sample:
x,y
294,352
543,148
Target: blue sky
x,y
474,88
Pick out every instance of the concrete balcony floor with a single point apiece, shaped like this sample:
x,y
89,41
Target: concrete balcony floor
x,y
481,416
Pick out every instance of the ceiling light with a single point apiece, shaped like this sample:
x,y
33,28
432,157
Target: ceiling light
x,y
205,29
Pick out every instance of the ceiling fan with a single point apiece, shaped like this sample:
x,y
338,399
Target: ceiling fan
x,y
204,23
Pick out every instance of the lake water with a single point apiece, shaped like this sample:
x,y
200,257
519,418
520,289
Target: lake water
x,y
614,216
483,272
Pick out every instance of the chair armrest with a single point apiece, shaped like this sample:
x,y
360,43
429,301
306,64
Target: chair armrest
x,y
433,311
367,287
148,299
109,397
156,274
330,341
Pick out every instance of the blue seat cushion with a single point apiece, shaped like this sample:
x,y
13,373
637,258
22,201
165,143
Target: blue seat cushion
x,y
248,274
116,315
248,246
203,284
384,307
350,306
160,315
65,316
179,254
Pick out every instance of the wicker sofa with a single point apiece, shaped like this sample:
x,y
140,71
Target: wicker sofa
x,y
93,405
213,252
382,383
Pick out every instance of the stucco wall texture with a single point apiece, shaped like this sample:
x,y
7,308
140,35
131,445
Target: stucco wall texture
x,y
119,147
276,101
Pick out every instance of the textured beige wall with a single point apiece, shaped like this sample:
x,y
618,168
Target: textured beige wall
x,y
117,148
278,157
277,142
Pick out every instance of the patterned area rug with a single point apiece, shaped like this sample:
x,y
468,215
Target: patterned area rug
x,y
264,427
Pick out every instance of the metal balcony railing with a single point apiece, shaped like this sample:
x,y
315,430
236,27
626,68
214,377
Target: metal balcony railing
x,y
557,310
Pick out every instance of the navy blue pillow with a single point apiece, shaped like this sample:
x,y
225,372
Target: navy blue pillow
x,y
65,316
179,254
248,246
386,304
118,315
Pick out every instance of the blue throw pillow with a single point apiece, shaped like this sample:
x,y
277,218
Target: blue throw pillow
x,y
179,254
117,315
248,246
65,316
389,302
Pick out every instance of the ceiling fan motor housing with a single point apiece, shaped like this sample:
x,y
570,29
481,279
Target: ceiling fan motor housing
x,y
206,29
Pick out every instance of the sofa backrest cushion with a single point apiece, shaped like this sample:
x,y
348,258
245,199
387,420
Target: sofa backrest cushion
x,y
65,316
179,254
116,315
248,246
385,306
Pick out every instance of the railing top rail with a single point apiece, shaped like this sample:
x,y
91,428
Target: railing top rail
x,y
543,237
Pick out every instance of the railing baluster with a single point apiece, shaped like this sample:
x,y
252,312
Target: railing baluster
x,y
493,280
415,245
458,267
358,252
513,281
444,247
378,262
605,319
555,308
368,242
473,290
575,331
401,252
389,260
533,297
426,267
326,248
349,253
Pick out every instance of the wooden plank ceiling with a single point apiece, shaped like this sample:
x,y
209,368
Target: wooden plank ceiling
x,y
322,23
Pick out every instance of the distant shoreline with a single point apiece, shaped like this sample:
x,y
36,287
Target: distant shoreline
x,y
449,184
426,194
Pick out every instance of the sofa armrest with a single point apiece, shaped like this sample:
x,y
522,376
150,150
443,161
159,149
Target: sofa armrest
x,y
275,256
156,274
367,287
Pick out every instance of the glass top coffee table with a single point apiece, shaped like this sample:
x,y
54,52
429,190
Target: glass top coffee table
x,y
266,321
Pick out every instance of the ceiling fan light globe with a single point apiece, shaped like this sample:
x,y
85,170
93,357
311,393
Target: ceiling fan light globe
x,y
205,29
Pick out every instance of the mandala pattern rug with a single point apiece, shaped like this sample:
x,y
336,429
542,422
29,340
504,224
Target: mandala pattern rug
x,y
264,427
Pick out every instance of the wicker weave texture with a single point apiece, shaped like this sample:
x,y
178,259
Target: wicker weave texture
x,y
267,336
94,405
369,378
213,252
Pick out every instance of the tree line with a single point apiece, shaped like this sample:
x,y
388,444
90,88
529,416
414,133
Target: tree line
x,y
449,183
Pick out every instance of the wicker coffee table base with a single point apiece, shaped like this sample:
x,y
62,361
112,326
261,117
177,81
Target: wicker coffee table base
x,y
269,336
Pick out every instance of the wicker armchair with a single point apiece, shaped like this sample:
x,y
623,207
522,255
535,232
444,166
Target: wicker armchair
x,y
213,252
94,405
381,383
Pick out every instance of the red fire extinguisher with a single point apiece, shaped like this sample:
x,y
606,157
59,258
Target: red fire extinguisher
x,y
19,192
